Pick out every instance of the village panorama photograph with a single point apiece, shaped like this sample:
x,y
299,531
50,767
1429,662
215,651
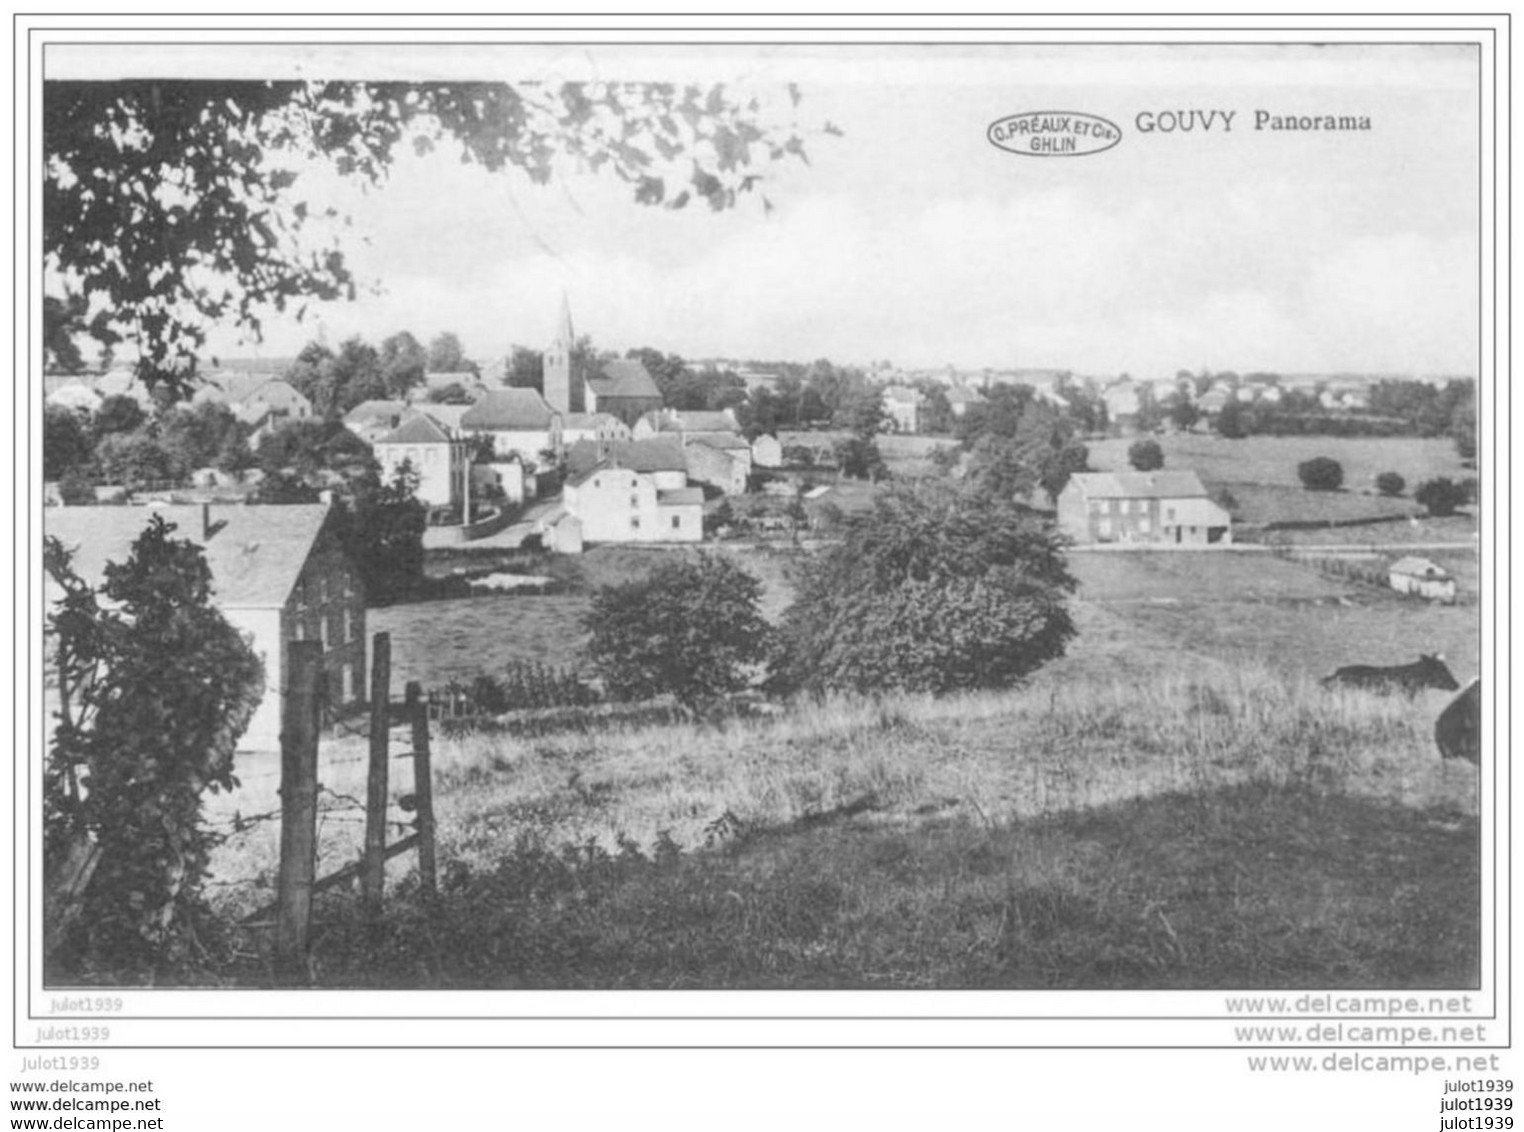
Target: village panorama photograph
x,y
722,517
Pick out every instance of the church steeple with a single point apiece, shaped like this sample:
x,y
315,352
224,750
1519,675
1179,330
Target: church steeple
x,y
561,390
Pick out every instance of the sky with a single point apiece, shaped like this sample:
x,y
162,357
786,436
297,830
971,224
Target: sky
x,y
911,238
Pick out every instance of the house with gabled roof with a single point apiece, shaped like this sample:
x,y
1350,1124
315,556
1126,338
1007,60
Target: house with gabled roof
x,y
1161,507
279,573
1424,577
517,420
902,407
438,457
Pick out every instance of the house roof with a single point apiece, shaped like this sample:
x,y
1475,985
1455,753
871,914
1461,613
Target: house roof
x,y
508,410
721,421
255,553
681,496
963,395
417,429
725,441
624,377
586,420
1139,485
1419,568
375,410
655,454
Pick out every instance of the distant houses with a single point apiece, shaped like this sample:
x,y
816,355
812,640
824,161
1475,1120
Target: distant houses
x,y
278,574
1162,507
1420,576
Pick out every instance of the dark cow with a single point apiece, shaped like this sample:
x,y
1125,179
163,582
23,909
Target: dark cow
x,y
1426,672
1458,730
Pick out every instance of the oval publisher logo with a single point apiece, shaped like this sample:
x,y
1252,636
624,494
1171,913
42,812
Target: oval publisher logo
x,y
1053,133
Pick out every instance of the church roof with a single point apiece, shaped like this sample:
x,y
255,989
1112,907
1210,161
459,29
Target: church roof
x,y
624,377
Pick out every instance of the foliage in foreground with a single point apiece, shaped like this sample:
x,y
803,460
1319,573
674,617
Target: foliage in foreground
x,y
933,590
156,689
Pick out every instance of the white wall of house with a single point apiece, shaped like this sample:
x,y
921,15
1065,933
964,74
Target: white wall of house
x,y
440,468
618,505
528,443
263,628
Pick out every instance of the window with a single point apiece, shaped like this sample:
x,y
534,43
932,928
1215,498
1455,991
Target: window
x,y
677,522
344,625
348,687
323,630
634,501
634,522
1170,514
298,630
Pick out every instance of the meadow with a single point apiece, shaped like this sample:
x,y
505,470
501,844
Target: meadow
x,y
1231,827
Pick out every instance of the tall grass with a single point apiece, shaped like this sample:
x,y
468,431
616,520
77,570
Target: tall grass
x,y
992,758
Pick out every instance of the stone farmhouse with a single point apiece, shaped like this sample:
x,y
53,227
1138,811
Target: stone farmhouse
x,y
278,574
1163,507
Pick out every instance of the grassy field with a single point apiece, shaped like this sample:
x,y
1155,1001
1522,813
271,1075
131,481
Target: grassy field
x,y
1250,608
1230,829
1273,460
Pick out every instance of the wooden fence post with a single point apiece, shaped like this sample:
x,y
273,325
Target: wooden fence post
x,y
373,875
423,786
298,802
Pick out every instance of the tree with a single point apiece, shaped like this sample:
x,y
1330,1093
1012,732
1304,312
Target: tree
x,y
381,526
691,628
859,458
1230,422
1146,455
117,413
1390,483
1183,413
1440,496
1321,473
156,689
1463,428
66,443
933,590
169,206
526,369
402,364
446,354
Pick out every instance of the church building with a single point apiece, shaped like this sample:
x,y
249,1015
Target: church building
x,y
622,387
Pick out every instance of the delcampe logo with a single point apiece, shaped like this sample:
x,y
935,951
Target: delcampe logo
x,y
1053,133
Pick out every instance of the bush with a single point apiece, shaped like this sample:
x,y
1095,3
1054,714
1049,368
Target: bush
x,y
156,688
1146,455
691,628
1321,473
1441,496
934,590
1390,483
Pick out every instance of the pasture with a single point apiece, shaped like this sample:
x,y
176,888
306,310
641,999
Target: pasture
x,y
1230,829
1249,608
1272,460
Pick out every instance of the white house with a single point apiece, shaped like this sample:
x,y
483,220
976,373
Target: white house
x,y
517,420
902,407
439,459
1142,507
617,504
1413,575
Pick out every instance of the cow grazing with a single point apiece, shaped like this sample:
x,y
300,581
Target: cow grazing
x,y
1458,730
1426,672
